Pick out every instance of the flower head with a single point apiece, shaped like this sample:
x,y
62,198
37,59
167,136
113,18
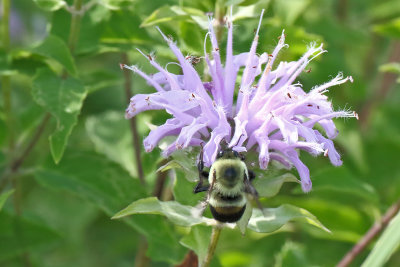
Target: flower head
x,y
271,113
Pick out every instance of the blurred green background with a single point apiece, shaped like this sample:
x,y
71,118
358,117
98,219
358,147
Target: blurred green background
x,y
59,214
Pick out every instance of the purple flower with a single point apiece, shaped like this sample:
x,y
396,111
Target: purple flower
x,y
271,113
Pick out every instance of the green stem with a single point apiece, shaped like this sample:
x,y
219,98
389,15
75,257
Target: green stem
x,y
219,16
216,231
75,25
5,79
134,132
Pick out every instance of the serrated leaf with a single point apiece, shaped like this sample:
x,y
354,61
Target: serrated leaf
x,y
4,196
63,98
111,136
177,213
20,235
50,5
198,240
55,48
269,187
386,244
275,218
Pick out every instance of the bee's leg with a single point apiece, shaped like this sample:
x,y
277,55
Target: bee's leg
x,y
252,175
200,187
249,188
202,174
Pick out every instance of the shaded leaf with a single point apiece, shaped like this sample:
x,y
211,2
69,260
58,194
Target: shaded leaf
x,y
198,240
109,187
19,235
292,254
53,47
4,196
111,136
63,98
386,244
275,218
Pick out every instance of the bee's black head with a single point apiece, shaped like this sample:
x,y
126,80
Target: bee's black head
x,y
228,153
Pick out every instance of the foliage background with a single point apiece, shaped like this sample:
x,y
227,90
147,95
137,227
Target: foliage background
x,y
59,214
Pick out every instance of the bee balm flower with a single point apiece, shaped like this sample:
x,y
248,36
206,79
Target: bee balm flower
x,y
271,113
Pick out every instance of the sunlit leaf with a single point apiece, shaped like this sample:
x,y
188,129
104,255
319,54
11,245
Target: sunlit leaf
x,y
288,11
275,218
50,5
269,187
393,67
390,29
53,47
116,4
63,98
386,244
177,213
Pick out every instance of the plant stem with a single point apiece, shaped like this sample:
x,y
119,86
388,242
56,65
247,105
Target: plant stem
x,y
5,79
133,124
75,25
219,16
216,231
370,235
388,79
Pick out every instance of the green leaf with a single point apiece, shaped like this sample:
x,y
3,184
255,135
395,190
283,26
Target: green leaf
x,y
390,29
386,244
290,10
109,187
275,218
4,196
269,187
177,213
175,14
183,160
292,254
198,240
116,4
393,67
63,98
249,11
111,136
244,221
19,235
50,5
53,47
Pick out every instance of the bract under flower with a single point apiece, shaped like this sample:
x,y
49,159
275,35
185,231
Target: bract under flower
x,y
271,113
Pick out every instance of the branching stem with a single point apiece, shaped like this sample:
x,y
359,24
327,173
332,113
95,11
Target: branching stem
x,y
370,235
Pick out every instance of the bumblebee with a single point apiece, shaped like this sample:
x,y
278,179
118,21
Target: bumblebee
x,y
229,181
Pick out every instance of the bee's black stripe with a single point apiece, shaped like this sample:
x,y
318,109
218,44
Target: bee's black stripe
x,y
224,198
227,214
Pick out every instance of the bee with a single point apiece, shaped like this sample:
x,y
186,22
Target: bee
x,y
229,182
